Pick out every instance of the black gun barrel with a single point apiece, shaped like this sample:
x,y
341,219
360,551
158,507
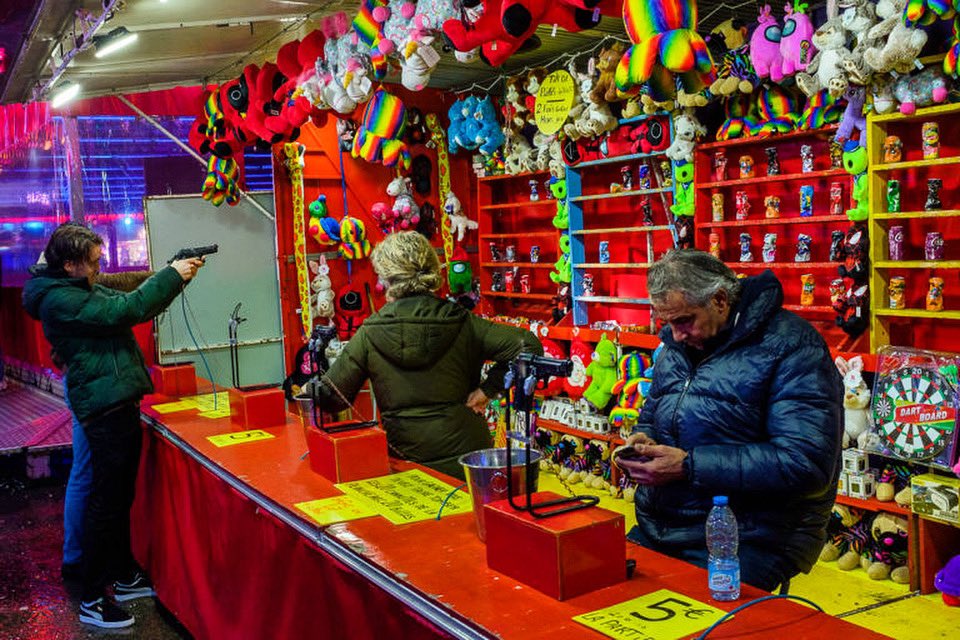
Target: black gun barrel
x,y
194,252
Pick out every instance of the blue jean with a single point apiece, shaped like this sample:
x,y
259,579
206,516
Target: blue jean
x,y
75,498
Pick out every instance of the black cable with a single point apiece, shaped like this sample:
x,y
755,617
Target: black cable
x,y
780,596
183,307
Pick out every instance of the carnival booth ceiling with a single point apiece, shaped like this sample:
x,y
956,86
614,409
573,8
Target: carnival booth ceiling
x,y
189,42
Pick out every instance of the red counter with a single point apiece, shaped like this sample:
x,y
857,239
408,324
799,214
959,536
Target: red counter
x,y
232,558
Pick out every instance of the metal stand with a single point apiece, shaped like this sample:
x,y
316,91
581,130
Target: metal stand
x,y
319,340
232,327
524,376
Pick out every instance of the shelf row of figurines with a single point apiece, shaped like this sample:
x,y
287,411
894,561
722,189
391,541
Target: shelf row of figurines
x,y
768,252
771,203
748,167
932,202
897,288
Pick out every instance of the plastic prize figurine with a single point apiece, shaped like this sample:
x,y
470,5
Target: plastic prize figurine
x,y
716,206
806,201
806,158
497,282
896,291
666,174
803,248
769,252
836,246
836,198
807,286
893,196
604,247
837,295
643,177
588,284
495,254
933,246
646,210
935,295
934,185
626,178
746,255
892,149
720,165
746,167
525,283
895,242
771,206
931,140
773,162
715,245
743,205
508,278
534,194
836,154
535,253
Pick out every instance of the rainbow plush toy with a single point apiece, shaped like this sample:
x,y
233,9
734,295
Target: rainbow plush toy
x,y
353,239
220,184
777,110
822,109
665,42
741,117
379,138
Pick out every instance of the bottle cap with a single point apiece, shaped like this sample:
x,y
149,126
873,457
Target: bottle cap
x,y
720,501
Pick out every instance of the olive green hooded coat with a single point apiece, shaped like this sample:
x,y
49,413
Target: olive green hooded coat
x,y
423,357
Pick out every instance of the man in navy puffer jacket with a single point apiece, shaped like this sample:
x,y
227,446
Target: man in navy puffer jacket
x,y
745,402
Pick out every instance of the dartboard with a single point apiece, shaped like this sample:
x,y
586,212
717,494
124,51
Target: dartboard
x,y
914,412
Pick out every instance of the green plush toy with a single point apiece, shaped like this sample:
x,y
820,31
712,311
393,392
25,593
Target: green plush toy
x,y
459,273
558,187
603,373
683,201
563,269
855,161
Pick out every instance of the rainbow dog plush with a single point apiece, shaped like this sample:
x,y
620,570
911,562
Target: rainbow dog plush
x,y
665,42
379,138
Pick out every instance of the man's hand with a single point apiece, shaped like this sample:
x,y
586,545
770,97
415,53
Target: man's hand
x,y
187,268
639,439
663,464
477,401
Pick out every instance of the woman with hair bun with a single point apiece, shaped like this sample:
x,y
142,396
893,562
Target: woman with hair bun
x,y
423,356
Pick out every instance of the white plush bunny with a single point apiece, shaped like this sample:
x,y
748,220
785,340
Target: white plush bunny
x,y
856,400
459,223
321,289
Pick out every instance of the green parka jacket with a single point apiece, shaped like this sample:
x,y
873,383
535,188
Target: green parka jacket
x,y
423,357
90,330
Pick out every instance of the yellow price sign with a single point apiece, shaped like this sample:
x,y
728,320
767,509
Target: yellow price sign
x,y
337,509
409,496
554,101
238,437
663,615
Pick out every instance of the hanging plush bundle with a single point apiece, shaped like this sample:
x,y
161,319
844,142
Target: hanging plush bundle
x,y
369,30
220,184
324,229
353,239
665,42
777,109
822,109
379,138
741,117
630,388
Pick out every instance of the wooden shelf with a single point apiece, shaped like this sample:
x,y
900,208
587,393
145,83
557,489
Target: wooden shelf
x,y
505,176
613,159
532,265
519,205
613,265
749,222
926,112
917,264
612,299
529,234
873,505
906,215
783,177
783,265
519,295
799,308
647,229
917,313
559,427
621,194
740,142
915,164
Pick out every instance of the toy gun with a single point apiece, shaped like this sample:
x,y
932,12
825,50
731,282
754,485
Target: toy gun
x,y
527,371
194,252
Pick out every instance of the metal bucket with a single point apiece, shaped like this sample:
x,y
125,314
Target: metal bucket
x,y
486,472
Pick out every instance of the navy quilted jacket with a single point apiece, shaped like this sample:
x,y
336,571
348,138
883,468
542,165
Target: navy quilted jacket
x,y
761,419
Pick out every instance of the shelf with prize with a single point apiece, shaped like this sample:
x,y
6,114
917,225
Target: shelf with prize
x,y
621,217
778,202
915,227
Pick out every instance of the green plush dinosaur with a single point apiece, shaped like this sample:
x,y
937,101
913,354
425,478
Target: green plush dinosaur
x,y
558,187
683,201
603,373
855,161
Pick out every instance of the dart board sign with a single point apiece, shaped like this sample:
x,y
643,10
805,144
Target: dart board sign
x,y
914,409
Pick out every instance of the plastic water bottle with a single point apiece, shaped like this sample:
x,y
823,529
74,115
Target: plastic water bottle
x,y
723,566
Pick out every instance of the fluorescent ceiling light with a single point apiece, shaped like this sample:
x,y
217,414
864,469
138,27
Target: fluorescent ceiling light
x,y
114,41
66,93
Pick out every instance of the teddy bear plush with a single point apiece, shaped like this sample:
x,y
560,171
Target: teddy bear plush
x,y
856,401
825,70
603,372
687,129
847,538
896,46
605,89
886,555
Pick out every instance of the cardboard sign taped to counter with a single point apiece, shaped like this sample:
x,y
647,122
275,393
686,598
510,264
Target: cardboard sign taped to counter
x,y
409,496
663,614
337,509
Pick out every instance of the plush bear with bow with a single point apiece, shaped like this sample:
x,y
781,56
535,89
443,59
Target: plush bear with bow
x,y
886,555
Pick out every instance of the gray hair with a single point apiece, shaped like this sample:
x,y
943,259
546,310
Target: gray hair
x,y
695,274
408,264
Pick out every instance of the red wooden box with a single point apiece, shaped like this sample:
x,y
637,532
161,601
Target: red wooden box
x,y
258,408
563,556
348,455
174,379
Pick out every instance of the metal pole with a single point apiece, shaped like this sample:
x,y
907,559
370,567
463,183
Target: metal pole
x,y
73,165
180,143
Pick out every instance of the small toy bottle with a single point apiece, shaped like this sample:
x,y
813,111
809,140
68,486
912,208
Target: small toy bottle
x,y
807,286
892,149
806,201
837,294
836,246
771,206
716,206
646,210
935,295
806,158
836,198
896,291
893,196
746,167
931,140
803,248
773,161
769,252
746,255
604,252
643,177
743,205
626,178
933,246
588,284
934,185
720,165
534,194
715,245
895,242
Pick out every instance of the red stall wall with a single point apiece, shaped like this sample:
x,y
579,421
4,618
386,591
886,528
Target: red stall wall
x,y
365,185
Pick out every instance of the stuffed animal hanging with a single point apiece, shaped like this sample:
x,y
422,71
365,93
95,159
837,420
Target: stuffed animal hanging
x,y
458,221
354,244
405,209
580,355
765,47
897,45
324,228
321,289
687,130
665,43
603,373
796,40
822,109
856,402
853,118
380,137
741,117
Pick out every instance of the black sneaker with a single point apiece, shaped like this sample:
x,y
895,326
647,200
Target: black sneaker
x,y
103,613
138,587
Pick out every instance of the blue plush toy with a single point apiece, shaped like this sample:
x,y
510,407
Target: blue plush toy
x,y
474,126
490,135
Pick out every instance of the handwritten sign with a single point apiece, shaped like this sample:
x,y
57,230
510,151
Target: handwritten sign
x,y
661,615
203,403
238,437
410,496
172,407
222,412
337,509
554,101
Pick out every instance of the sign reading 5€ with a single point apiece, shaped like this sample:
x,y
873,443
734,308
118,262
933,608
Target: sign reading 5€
x,y
237,437
554,100
661,615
